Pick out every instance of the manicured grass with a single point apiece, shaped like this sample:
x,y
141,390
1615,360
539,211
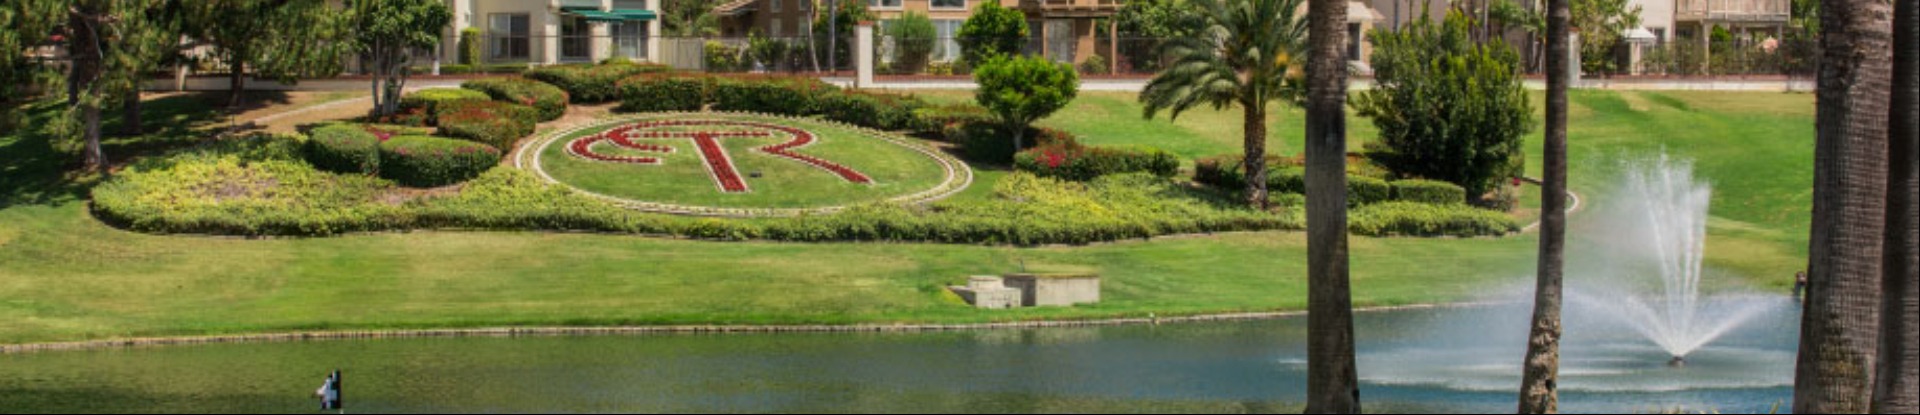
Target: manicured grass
x,y
682,178
66,276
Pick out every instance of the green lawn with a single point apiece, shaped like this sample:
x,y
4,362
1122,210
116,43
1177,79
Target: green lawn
x,y
66,276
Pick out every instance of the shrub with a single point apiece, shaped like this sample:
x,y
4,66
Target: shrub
x,y
1226,172
421,161
1421,219
1447,107
990,142
589,84
770,53
766,94
550,100
913,39
249,186
871,110
344,148
719,57
992,31
493,123
662,92
1074,162
427,102
934,119
1362,190
470,47
1019,91
1095,65
1428,191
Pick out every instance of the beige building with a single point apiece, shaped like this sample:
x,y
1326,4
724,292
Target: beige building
x,y
543,32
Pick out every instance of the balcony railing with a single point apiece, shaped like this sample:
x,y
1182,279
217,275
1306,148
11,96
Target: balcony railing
x,y
1073,5
1733,10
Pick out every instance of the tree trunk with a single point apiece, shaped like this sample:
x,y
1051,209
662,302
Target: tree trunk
x,y
1333,384
237,80
81,81
1897,385
1539,383
130,119
1255,162
1839,328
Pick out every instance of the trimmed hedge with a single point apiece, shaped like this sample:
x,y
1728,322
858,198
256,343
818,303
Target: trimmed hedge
x,y
429,101
871,110
1072,162
550,100
989,142
591,83
344,148
768,94
662,93
493,123
937,118
421,161
1422,219
1225,173
1429,191
1362,190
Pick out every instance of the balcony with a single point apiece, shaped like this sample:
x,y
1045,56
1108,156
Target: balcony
x,y
1073,8
1733,11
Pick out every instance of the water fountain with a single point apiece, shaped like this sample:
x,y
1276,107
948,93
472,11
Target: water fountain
x,y
1660,226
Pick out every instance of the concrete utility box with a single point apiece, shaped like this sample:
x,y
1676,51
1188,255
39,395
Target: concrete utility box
x,y
987,291
1041,290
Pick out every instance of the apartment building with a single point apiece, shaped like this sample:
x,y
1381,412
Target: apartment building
x,y
545,32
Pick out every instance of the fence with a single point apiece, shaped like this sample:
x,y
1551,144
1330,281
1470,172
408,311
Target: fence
x,y
1682,57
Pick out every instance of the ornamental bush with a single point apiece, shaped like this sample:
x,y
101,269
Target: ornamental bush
x,y
785,95
344,148
1422,219
913,37
550,100
1019,91
493,123
1428,191
1448,108
1284,175
590,84
1074,162
872,110
989,142
428,102
1362,190
421,161
992,31
662,93
934,119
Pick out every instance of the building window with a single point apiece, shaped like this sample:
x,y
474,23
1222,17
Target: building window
x,y
950,4
775,4
510,35
884,4
1353,41
949,47
1659,35
576,41
773,28
631,39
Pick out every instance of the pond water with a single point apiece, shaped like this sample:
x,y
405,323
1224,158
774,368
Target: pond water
x,y
1439,360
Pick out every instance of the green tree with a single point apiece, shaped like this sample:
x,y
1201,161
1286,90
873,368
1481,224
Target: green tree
x,y
1840,325
1333,384
24,25
689,18
1147,24
1601,24
1247,57
913,38
841,23
1021,90
992,31
385,33
1450,108
1540,371
280,39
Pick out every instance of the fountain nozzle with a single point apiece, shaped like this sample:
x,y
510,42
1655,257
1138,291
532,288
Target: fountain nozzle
x,y
1677,362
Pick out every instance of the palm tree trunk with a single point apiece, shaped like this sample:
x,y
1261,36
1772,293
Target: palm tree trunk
x,y
1333,384
1541,370
1838,330
1254,138
1897,385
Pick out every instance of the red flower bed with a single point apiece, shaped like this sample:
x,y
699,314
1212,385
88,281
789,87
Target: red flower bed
x,y
719,164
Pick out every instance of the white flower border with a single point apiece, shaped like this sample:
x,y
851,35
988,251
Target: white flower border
x,y
958,175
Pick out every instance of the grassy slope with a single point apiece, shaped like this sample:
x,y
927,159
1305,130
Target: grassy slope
x,y
64,276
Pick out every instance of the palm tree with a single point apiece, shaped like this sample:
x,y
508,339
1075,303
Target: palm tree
x,y
1333,385
1244,56
1897,385
1838,330
1538,394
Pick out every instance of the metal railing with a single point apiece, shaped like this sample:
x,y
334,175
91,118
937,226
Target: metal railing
x,y
1682,57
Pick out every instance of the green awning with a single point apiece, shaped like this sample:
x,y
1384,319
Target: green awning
x,y
595,15
637,14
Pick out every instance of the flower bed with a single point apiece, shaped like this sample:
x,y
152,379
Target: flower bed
x,y
720,165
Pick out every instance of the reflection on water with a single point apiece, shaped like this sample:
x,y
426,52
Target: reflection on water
x,y
1414,361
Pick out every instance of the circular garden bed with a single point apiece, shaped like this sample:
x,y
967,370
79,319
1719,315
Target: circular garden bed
x,y
731,164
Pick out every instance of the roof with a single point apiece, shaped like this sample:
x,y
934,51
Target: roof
x,y
734,8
